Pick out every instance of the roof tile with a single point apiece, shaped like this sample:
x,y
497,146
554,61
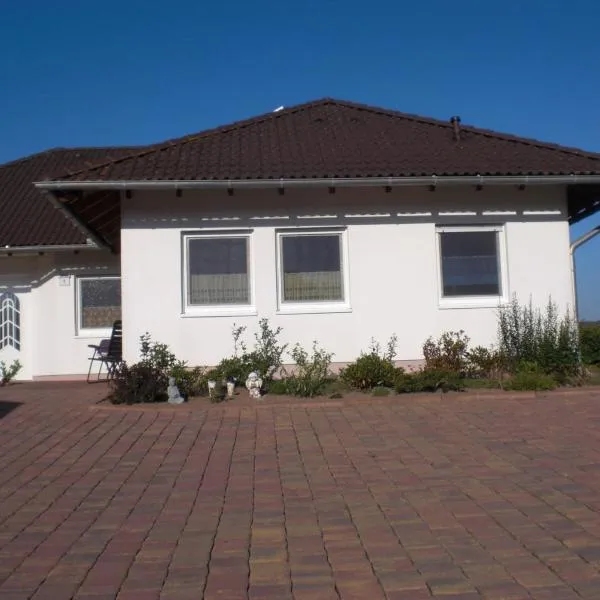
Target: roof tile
x,y
26,217
332,138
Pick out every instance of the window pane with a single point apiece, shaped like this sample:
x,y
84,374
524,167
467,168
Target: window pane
x,y
470,263
218,271
312,270
100,302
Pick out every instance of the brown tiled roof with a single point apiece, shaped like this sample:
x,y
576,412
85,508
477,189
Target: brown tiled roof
x,y
27,218
331,138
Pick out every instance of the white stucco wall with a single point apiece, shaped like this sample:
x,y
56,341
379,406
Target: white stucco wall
x,y
392,260
45,285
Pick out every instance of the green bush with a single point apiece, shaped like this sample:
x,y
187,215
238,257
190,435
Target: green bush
x,y
8,373
191,382
139,383
277,387
428,380
484,363
336,388
530,377
482,383
380,391
369,371
311,373
147,380
234,368
590,343
372,369
447,353
532,336
265,359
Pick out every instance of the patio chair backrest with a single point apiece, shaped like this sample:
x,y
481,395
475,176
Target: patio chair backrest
x,y
115,345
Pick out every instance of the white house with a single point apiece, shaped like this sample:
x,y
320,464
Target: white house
x,y
340,222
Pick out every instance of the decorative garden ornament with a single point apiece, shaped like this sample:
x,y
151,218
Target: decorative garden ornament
x,y
254,385
211,387
175,396
230,388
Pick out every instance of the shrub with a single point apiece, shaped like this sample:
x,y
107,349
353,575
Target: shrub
x,y
448,353
157,355
428,380
380,391
139,383
267,356
372,369
191,382
219,392
336,388
147,380
8,373
589,337
369,371
529,335
277,387
235,368
265,359
529,376
312,371
484,363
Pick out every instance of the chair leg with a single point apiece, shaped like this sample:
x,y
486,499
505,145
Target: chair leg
x,y
91,365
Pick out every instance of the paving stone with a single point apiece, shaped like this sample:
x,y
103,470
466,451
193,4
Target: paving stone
x,y
459,497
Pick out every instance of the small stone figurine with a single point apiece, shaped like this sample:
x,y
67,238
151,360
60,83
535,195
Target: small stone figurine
x,y
254,385
230,387
173,392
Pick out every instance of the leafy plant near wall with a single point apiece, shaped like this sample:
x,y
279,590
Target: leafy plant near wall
x,y
428,380
8,373
312,371
374,368
448,353
147,380
266,358
528,335
530,377
590,343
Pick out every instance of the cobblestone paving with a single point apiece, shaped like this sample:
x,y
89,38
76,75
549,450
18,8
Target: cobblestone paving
x,y
379,498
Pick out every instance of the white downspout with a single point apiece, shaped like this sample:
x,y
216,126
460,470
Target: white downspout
x,y
576,244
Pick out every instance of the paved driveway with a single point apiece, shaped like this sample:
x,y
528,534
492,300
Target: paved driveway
x,y
393,498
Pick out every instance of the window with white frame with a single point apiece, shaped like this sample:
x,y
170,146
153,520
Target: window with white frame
x,y
98,303
217,271
311,268
471,262
10,321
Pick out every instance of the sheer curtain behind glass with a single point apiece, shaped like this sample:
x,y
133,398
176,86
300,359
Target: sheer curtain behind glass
x,y
100,302
218,271
312,270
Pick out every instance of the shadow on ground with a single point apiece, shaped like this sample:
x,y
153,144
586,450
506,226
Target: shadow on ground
x,y
7,407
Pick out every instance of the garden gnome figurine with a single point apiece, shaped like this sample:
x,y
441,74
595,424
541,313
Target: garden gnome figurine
x,y
173,392
230,386
254,384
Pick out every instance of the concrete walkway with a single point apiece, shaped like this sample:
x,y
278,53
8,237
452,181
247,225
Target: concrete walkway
x,y
378,498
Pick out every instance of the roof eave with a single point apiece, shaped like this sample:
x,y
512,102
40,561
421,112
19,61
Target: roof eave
x,y
569,179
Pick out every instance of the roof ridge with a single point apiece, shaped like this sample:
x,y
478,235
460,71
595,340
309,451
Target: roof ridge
x,y
186,139
472,129
142,151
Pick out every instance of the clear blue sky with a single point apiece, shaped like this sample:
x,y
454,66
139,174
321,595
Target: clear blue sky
x,y
74,72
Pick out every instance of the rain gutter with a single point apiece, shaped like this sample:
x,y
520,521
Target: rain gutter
x,y
338,182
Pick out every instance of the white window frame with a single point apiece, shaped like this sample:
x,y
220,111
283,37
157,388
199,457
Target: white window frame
x,y
92,332
326,306
474,301
217,310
